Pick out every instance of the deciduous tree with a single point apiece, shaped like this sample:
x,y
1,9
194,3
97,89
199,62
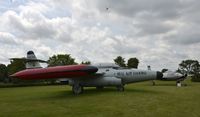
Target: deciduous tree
x,y
133,63
61,59
86,62
189,66
120,61
15,66
3,72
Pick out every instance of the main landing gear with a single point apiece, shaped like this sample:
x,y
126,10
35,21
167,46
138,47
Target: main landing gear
x,y
77,89
120,88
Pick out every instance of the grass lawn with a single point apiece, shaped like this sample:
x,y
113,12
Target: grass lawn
x,y
138,100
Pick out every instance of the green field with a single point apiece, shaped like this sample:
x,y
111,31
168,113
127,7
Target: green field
x,y
138,100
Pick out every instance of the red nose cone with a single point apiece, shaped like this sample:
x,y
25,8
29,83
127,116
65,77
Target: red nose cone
x,y
18,74
13,76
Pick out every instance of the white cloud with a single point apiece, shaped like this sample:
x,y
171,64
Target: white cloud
x,y
160,33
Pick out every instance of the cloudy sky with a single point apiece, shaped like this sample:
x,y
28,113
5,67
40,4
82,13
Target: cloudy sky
x,y
160,33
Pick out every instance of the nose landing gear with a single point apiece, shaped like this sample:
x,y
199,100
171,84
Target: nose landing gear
x,y
178,83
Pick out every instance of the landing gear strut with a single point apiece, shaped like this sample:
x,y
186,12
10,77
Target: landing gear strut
x,y
77,89
120,88
178,83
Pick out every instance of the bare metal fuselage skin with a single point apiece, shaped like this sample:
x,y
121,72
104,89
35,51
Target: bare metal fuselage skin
x,y
116,77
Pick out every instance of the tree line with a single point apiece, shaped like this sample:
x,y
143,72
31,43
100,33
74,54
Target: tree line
x,y
185,67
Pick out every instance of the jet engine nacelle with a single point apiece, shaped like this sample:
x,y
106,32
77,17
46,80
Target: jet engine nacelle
x,y
102,81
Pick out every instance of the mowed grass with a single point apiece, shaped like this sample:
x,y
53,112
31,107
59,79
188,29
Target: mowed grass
x,y
138,100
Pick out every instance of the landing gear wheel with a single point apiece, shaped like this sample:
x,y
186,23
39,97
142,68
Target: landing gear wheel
x,y
120,88
99,87
77,89
178,83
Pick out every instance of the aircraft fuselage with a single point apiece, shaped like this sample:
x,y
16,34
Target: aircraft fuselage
x,y
113,77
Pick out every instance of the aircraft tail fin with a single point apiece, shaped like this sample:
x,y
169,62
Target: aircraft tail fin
x,y
31,61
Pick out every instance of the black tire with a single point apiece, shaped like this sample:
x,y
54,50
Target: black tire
x,y
77,89
120,88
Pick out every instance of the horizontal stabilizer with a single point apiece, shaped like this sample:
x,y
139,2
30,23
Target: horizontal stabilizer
x,y
29,60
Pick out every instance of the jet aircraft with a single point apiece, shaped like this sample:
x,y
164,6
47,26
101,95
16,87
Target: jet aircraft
x,y
174,76
80,76
171,76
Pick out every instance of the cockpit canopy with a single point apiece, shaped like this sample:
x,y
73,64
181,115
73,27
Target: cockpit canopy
x,y
107,65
